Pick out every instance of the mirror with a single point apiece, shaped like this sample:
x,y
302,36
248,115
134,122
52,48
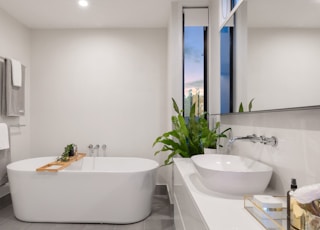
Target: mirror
x,y
275,56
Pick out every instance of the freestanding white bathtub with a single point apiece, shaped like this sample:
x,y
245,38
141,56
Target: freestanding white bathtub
x,y
114,190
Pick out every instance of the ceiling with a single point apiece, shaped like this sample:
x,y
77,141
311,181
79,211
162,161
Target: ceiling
x,y
50,14
56,14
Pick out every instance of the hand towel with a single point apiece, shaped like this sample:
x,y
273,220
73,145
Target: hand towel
x,y
4,136
12,98
16,73
307,193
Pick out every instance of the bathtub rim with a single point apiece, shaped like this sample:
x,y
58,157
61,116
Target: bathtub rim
x,y
13,165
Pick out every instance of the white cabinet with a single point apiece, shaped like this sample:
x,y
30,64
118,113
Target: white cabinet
x,y
186,213
198,208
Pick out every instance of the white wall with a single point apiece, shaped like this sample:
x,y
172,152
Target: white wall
x,y
174,78
214,58
98,87
175,53
15,42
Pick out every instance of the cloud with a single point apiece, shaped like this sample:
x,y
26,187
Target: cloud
x,y
194,84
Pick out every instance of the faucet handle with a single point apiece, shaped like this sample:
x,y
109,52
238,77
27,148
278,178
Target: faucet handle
x,y
97,147
273,141
104,149
90,147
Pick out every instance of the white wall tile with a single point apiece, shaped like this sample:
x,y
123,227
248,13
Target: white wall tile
x,y
297,154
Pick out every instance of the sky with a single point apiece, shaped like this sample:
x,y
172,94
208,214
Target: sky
x,y
193,58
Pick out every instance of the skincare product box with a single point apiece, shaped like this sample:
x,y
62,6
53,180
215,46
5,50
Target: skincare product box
x,y
272,206
270,211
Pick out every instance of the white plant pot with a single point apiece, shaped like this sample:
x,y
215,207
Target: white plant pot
x,y
210,151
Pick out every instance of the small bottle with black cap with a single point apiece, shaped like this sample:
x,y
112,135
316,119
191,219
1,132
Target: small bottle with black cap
x,y
293,187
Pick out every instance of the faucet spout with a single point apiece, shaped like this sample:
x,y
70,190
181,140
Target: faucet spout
x,y
252,138
256,139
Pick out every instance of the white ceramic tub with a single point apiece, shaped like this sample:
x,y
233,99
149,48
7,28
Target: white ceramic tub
x,y
92,190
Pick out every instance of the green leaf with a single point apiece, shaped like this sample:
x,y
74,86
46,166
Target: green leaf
x,y
172,143
241,108
158,139
222,133
183,126
169,159
188,137
175,106
250,104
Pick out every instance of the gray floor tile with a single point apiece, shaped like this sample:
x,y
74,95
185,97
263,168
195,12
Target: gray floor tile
x,y
135,226
68,227
14,224
41,226
99,227
161,208
161,190
6,213
162,213
160,200
151,224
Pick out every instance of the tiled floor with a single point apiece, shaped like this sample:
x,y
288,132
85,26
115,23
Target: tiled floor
x,y
161,218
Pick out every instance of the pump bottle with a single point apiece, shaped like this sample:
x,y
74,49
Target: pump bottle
x,y
290,217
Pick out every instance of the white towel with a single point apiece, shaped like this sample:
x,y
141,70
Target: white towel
x,y
307,194
16,73
12,97
4,136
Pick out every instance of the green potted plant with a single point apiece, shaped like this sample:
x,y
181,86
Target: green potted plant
x,y
187,138
211,137
68,152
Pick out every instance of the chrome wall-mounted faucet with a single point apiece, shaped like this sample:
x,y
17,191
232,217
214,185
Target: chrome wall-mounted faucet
x,y
255,139
90,152
96,148
104,150
94,151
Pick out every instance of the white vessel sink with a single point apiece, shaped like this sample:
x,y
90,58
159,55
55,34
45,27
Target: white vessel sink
x,y
232,174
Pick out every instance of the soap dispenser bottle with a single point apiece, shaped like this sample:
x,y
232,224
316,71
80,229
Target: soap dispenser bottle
x,y
293,187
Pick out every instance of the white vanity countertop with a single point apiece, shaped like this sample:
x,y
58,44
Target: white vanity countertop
x,y
219,211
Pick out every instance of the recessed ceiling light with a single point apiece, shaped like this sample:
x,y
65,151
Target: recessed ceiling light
x,y
83,3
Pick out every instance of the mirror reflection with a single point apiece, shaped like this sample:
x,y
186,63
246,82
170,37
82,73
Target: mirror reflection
x,y
275,55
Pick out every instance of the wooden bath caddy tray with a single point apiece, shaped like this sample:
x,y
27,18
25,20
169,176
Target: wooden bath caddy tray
x,y
55,166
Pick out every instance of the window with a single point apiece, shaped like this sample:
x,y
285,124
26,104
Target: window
x,y
226,60
195,59
226,35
